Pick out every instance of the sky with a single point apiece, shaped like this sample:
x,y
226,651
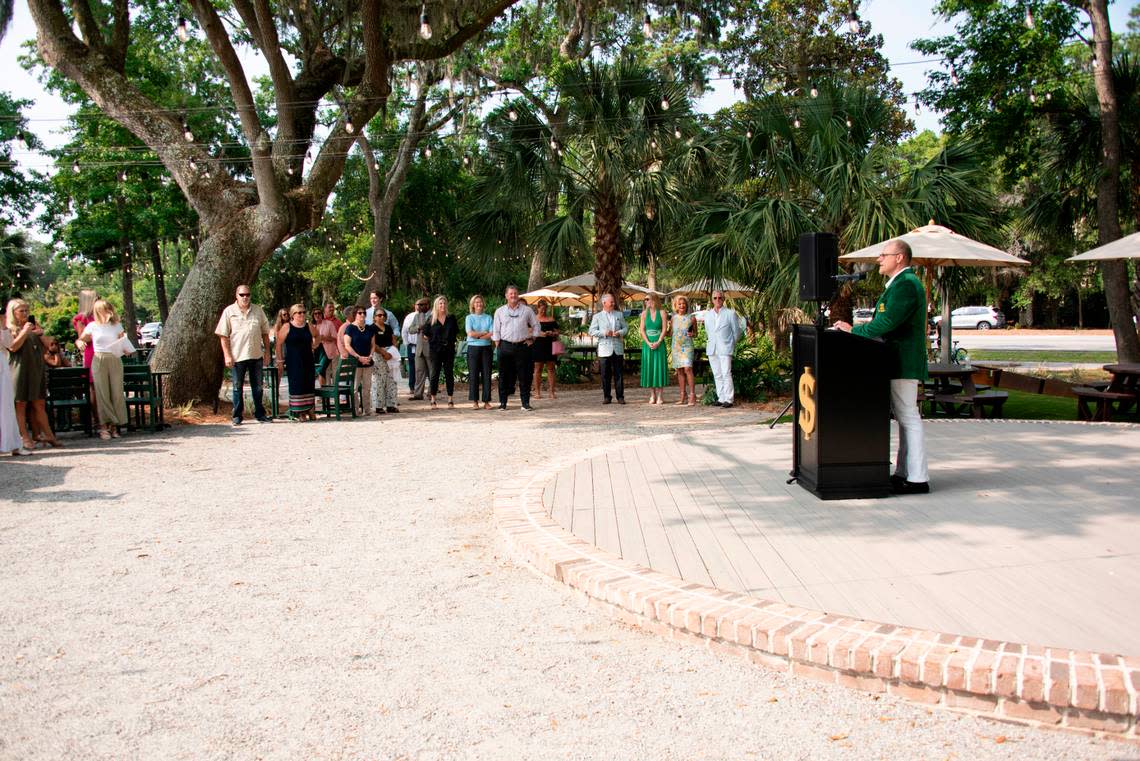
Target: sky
x,y
899,21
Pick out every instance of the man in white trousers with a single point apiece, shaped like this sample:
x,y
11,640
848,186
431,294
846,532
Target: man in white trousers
x,y
723,328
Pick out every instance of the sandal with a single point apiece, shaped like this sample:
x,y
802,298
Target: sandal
x,y
451,405
433,405
115,433
104,434
486,405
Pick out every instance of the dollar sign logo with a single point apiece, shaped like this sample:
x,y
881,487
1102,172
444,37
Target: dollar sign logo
x,y
807,403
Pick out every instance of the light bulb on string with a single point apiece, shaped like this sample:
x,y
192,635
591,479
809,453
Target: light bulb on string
x,y
1032,96
653,144
553,144
677,134
193,165
647,26
123,175
953,76
427,153
796,122
183,29
425,27
513,115
1048,96
466,161
349,127
848,120
1029,21
187,135
289,171
814,92
853,23
1095,63
748,134
664,104
75,166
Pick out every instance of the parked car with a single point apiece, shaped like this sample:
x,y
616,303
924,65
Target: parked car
x,y
862,315
151,332
982,318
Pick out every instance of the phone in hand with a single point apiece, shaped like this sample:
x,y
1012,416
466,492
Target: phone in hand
x,y
32,319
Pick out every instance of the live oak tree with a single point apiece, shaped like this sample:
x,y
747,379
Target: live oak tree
x,y
314,50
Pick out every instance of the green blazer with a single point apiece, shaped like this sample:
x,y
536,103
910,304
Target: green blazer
x,y
900,319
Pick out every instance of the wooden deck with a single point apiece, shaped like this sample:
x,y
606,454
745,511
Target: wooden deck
x,y
1031,532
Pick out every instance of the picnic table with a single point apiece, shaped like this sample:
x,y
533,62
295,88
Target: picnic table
x,y
953,392
1116,399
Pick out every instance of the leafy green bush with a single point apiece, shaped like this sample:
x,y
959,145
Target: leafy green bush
x,y
568,372
760,370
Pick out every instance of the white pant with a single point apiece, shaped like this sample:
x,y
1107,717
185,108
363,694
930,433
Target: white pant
x,y
721,365
911,460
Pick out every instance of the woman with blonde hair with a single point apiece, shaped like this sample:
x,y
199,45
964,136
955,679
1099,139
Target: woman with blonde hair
x,y
440,332
296,340
11,433
683,327
479,327
654,363
107,368
29,376
81,320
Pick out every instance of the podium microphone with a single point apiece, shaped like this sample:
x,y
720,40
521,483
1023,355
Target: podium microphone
x,y
854,277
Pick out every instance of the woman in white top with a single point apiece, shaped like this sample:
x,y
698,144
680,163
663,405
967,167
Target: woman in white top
x,y
107,368
10,440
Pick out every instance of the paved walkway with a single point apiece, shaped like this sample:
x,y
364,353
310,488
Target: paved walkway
x,y
1031,534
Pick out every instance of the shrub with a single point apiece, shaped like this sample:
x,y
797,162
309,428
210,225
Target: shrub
x,y
760,370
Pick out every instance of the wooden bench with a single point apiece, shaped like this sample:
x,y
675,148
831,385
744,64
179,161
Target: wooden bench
x,y
1108,403
978,404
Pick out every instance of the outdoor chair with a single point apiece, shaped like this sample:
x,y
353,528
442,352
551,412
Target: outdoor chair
x,y
343,386
68,390
142,397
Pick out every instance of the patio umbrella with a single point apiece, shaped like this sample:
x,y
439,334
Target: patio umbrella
x,y
705,287
1127,247
937,246
557,298
584,287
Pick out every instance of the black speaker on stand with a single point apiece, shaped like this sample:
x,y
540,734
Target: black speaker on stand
x,y
819,261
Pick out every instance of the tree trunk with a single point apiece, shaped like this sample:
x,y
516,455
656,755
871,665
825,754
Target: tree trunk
x,y
189,350
159,279
1113,272
651,275
607,252
534,279
126,270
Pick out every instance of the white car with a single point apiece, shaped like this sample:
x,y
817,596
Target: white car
x,y
982,318
151,332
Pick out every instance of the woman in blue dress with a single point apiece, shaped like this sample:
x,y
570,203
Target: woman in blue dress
x,y
296,340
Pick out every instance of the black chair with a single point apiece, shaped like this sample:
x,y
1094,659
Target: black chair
x,y
143,401
69,390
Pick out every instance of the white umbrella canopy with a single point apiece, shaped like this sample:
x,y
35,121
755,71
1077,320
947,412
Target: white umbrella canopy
x,y
937,246
558,298
705,287
1127,247
584,288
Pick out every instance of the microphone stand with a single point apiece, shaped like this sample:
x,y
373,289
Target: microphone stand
x,y
820,324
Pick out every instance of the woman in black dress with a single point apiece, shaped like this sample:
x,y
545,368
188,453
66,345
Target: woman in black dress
x,y
440,332
542,350
296,340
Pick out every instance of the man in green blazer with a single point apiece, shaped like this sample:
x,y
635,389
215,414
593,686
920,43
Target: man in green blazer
x,y
900,319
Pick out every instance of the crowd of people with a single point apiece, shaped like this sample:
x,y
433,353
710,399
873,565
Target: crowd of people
x,y
306,346
527,341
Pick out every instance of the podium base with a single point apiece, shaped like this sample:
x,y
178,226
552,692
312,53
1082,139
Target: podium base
x,y
847,482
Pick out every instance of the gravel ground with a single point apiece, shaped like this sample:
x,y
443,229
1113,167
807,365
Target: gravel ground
x,y
337,590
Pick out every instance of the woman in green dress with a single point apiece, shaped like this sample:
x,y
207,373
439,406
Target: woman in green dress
x,y
654,363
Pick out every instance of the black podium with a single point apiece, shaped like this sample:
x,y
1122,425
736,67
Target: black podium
x,y
842,413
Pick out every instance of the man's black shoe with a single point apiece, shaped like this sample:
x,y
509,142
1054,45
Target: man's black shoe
x,y
265,419
237,421
726,405
621,401
528,408
910,487
391,409
502,406
607,401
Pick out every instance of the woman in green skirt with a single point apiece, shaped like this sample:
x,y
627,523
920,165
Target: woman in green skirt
x,y
654,363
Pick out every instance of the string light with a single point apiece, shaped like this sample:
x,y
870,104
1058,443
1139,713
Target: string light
x,y
653,144
853,23
664,104
748,134
425,27
427,153
75,166
796,122
123,176
647,26
183,29
814,93
513,115
953,76
848,122
193,165
348,125
1032,97
677,133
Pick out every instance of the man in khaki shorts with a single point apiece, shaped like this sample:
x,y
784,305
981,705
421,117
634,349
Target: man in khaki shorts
x,y
244,333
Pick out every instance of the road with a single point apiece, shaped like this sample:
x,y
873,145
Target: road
x,y
1036,340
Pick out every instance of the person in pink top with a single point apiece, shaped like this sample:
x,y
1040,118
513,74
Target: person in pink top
x,y
326,331
81,320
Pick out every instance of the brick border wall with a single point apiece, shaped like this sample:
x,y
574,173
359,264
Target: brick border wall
x,y
1027,684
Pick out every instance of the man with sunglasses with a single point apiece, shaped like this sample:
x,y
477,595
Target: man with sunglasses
x,y
244,333
900,320
723,328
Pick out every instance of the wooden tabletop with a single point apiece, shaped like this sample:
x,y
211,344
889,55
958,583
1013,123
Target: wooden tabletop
x,y
1124,368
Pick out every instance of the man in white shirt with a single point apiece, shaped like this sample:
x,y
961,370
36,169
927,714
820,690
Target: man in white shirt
x,y
513,332
723,328
244,332
376,301
609,327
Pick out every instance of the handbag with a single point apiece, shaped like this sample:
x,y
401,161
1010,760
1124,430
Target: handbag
x,y
557,347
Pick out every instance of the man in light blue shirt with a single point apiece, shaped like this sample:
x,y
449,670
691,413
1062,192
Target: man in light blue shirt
x,y
609,327
376,299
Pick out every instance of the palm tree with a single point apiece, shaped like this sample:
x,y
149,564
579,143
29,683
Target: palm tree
x,y
619,158
820,163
